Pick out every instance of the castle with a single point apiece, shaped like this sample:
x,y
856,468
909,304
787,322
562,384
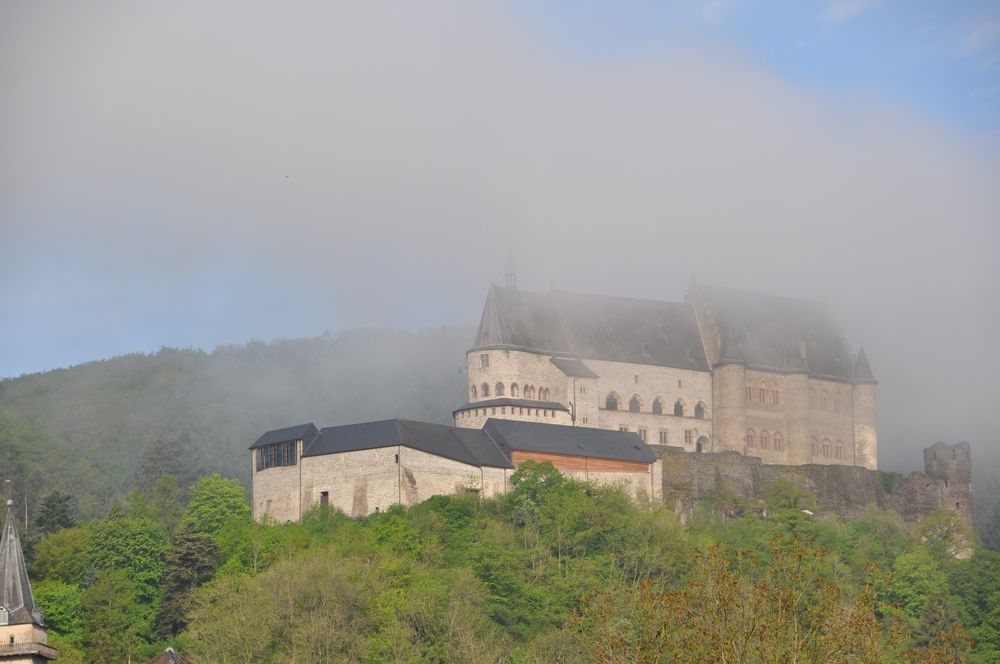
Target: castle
x,y
726,392
725,370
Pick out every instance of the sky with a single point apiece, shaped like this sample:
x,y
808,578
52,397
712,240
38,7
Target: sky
x,y
203,173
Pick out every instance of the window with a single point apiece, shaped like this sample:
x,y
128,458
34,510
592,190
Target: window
x,y
473,391
688,436
824,401
642,434
634,405
277,454
839,450
545,394
749,395
583,389
699,410
680,383
765,440
664,438
499,390
503,410
486,390
657,406
637,379
4,616
762,395
513,390
623,427
493,410
815,445
585,420
836,404
779,442
397,457
679,408
324,496
826,447
812,398
484,361
774,397
611,403
751,438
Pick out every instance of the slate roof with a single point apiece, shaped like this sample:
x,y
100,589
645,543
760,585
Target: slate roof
x,y
15,589
777,333
570,440
305,432
171,656
469,446
510,401
573,367
597,327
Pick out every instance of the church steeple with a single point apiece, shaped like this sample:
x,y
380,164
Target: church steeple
x,y
23,635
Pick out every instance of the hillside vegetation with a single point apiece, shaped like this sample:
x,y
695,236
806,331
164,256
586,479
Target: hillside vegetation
x,y
555,571
104,427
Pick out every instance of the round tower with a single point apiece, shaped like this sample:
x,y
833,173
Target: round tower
x,y
729,421
865,434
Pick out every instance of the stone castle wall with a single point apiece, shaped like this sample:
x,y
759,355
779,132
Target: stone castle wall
x,y
841,489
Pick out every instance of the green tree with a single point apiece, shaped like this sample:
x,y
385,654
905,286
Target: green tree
x,y
190,562
113,620
54,513
133,547
940,633
61,604
917,575
214,501
60,556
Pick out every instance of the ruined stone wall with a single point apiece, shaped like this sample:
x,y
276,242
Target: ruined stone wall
x,y
840,489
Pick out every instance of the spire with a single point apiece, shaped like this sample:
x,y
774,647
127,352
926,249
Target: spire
x,y
862,370
15,590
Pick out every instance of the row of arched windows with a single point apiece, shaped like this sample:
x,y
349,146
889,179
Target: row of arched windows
x,y
613,402
500,390
825,448
823,400
765,440
763,395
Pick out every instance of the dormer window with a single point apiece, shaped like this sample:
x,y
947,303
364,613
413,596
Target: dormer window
x,y
4,616
484,361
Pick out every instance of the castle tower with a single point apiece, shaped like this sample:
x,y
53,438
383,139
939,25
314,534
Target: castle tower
x,y
865,437
23,634
952,466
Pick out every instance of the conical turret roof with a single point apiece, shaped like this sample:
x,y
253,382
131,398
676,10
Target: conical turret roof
x,y
15,590
862,370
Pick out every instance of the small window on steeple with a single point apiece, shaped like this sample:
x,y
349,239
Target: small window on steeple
x,y
4,616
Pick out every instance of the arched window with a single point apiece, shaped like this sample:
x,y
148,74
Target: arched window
x,y
486,390
765,440
699,410
679,408
749,395
634,405
815,444
826,447
499,390
779,442
657,406
528,391
751,438
545,394
611,403
762,393
839,449
812,398
824,401
774,397
513,389
474,392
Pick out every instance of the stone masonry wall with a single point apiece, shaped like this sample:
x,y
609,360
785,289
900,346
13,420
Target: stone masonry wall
x,y
843,490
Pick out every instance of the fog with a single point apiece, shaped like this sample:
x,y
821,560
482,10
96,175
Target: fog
x,y
230,170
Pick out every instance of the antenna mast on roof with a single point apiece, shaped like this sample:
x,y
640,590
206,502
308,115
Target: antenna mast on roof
x,y
511,270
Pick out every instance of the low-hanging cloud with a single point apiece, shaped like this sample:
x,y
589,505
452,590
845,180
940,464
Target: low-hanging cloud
x,y
375,161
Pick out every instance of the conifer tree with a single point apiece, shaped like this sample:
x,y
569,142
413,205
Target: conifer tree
x,y
190,562
54,513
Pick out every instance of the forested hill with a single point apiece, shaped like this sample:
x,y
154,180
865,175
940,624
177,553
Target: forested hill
x,y
98,429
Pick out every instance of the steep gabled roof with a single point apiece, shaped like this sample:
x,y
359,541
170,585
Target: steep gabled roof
x,y
469,446
569,440
777,333
15,589
305,432
597,327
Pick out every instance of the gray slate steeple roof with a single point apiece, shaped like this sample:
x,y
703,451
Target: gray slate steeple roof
x,y
596,327
15,590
